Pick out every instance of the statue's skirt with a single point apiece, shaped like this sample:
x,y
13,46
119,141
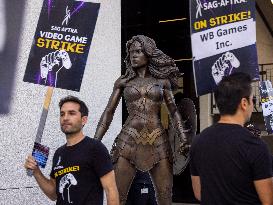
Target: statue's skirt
x,y
142,149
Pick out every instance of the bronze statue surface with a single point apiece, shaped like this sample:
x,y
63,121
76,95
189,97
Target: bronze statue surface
x,y
143,143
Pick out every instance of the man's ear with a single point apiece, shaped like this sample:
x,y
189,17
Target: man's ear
x,y
84,120
244,103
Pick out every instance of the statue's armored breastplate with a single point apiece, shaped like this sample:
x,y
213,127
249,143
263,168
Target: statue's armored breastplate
x,y
152,91
143,101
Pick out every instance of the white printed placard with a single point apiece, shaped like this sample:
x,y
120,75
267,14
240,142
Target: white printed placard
x,y
223,38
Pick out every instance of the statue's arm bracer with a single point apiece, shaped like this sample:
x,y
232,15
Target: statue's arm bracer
x,y
176,118
108,113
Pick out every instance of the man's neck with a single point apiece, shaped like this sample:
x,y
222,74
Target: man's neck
x,y
73,139
232,119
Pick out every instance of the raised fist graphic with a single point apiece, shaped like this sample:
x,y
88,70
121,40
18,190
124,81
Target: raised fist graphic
x,y
224,66
54,61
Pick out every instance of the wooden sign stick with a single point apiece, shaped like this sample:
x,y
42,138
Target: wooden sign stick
x,y
42,122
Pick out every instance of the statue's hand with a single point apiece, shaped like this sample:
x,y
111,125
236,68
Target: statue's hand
x,y
184,148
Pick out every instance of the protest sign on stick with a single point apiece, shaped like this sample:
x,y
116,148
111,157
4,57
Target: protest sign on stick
x,y
223,38
266,93
59,53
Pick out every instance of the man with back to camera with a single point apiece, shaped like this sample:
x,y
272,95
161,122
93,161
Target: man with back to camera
x,y
229,165
81,168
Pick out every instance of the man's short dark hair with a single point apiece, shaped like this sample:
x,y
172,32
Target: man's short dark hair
x,y
231,90
83,108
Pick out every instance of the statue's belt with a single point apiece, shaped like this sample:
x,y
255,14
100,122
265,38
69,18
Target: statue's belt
x,y
143,137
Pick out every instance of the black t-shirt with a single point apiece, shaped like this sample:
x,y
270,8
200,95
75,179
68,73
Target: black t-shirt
x,y
228,158
77,170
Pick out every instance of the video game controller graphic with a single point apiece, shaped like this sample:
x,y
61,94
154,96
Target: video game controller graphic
x,y
224,66
54,61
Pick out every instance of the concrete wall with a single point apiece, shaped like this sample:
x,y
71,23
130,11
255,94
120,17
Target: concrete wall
x,y
205,111
19,125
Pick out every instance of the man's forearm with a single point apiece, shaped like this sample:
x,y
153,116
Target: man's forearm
x,y
109,185
196,186
264,188
112,196
48,186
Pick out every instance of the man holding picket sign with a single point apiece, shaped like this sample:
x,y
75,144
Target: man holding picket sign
x,y
81,168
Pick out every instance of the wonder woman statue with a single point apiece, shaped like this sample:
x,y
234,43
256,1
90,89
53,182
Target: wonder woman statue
x,y
142,143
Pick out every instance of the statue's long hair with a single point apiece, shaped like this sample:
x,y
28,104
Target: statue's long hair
x,y
160,65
